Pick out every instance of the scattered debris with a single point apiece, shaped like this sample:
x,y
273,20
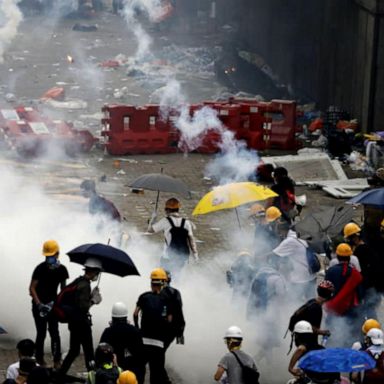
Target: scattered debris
x,y
69,104
85,28
55,93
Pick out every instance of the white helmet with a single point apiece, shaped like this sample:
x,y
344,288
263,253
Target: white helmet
x,y
119,309
303,327
376,336
233,332
91,262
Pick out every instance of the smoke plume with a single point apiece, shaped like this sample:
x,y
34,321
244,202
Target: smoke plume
x,y
8,31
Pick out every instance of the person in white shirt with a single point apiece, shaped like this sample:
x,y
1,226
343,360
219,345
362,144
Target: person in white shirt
x,y
294,265
25,348
179,240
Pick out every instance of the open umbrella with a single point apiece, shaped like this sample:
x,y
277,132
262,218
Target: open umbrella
x,y
231,196
161,183
114,260
337,360
371,197
2,331
318,228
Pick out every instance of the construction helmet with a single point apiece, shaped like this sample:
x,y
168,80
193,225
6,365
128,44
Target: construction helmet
x,y
257,210
233,332
343,249
159,274
351,229
50,248
244,252
172,203
303,327
272,214
93,263
127,377
376,336
369,324
119,310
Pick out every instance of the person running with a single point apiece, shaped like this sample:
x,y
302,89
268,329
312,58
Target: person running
x,y
179,239
156,317
126,341
25,348
79,320
232,362
106,370
305,342
177,326
47,277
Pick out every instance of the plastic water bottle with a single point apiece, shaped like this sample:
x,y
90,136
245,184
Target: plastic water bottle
x,y
324,340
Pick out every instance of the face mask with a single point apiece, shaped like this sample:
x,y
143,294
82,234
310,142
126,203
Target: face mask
x,y
51,260
94,278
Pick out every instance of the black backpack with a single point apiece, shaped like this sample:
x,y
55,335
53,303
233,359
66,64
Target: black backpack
x,y
179,238
298,314
249,374
107,375
63,307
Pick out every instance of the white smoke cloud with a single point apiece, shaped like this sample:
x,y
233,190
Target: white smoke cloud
x,y
8,31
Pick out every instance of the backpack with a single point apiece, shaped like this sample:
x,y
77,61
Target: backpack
x,y
179,243
249,374
63,307
313,261
107,375
259,290
298,314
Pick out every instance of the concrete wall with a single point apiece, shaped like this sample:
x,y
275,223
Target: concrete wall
x,y
331,51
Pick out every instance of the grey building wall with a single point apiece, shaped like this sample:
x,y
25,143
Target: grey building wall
x,y
330,50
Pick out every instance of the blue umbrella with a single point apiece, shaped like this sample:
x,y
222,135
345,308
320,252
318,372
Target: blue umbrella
x,y
371,197
337,360
113,260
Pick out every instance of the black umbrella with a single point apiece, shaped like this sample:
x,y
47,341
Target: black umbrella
x,y
161,183
114,260
320,227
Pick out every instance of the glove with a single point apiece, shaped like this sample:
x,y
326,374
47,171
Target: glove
x,y
196,257
44,309
152,220
95,296
180,340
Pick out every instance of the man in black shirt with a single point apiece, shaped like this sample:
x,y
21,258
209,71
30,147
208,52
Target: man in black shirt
x,y
126,341
156,316
46,279
177,325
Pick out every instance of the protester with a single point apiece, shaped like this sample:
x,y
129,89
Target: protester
x,y
25,348
367,326
126,341
98,204
270,236
232,362
292,252
305,342
106,371
284,186
46,279
179,239
177,326
347,295
79,321
39,375
240,276
375,349
312,310
156,317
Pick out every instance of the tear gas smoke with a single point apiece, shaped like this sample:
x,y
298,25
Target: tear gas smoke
x,y
8,31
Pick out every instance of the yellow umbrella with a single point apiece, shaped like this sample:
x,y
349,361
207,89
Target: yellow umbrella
x,y
231,196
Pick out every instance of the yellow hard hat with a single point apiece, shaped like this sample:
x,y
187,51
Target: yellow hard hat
x,y
272,214
369,324
382,224
159,274
257,210
50,248
244,252
343,249
351,229
127,377
172,203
